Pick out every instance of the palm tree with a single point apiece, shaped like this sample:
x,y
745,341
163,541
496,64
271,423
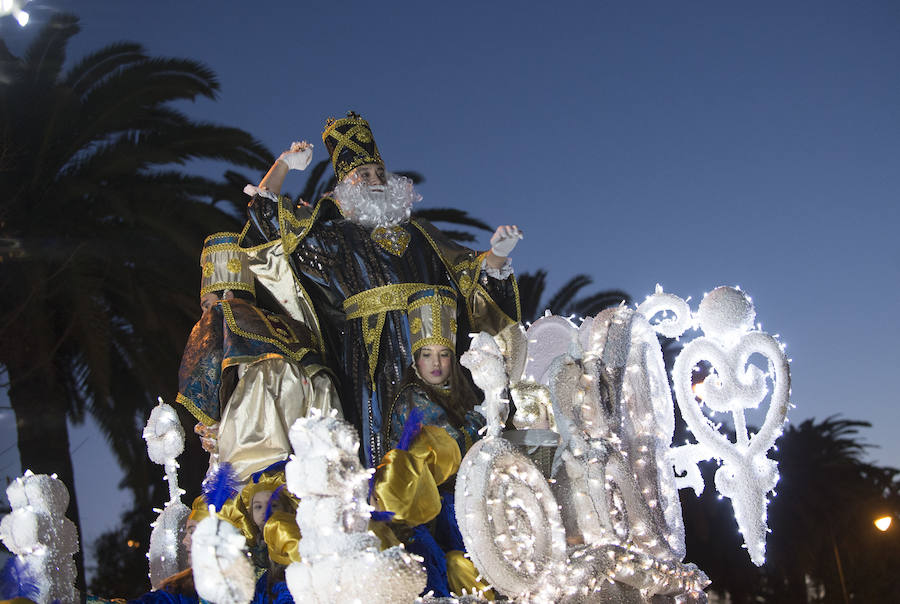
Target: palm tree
x,y
827,497
99,236
564,302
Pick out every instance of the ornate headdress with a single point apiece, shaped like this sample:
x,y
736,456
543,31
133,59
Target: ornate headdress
x,y
199,509
266,481
350,144
432,317
224,265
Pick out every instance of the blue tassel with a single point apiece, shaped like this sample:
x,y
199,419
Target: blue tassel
x,y
446,530
220,485
16,581
411,428
275,495
423,544
378,516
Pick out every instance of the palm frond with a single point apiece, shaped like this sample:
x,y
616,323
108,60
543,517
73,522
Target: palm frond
x,y
96,66
451,216
45,56
531,290
561,301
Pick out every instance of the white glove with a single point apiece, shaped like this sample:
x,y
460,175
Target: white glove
x,y
298,156
505,239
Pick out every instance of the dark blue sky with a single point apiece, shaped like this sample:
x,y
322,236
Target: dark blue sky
x,y
687,144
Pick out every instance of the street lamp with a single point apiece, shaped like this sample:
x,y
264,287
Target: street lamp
x,y
883,523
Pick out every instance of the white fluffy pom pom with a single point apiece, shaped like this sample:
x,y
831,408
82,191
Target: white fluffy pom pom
x,y
222,570
164,434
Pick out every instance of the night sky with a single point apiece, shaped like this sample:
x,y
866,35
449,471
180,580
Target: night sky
x,y
687,144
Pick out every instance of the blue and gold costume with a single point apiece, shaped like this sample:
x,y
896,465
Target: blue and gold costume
x,y
415,478
248,371
357,280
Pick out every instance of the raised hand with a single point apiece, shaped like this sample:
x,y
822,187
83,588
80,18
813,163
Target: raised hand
x,y
505,239
298,156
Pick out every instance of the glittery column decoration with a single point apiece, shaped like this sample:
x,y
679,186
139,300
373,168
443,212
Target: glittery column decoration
x,y
38,532
165,441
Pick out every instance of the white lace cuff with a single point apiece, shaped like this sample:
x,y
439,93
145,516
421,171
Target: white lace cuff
x,y
497,273
252,190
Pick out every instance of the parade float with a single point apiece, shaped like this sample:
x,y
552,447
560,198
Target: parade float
x,y
573,499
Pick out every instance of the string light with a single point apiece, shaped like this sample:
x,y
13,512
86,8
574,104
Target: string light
x,y
165,441
338,554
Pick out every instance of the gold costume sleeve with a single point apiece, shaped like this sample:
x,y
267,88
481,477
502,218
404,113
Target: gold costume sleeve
x,y
407,481
282,536
462,576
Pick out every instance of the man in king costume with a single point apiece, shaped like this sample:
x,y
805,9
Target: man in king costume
x,y
247,374
357,256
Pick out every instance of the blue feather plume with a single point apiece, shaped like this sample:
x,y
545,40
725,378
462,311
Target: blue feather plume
x,y
379,516
220,485
16,581
411,428
275,495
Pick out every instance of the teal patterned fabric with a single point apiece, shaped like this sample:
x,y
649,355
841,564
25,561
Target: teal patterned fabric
x,y
433,415
229,333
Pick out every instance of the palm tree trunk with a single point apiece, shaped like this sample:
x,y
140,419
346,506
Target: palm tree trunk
x,y
43,436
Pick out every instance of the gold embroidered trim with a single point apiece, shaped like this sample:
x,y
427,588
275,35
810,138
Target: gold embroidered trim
x,y
222,247
238,285
234,361
234,265
194,410
376,302
433,341
394,239
359,129
381,299
219,235
450,269
244,232
279,341
441,303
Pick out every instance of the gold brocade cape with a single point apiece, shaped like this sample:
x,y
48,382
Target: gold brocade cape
x,y
228,334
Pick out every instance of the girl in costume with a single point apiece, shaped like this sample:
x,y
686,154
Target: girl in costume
x,y
271,510
432,423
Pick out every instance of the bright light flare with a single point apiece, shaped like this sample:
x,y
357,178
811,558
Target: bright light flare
x,y
883,523
14,8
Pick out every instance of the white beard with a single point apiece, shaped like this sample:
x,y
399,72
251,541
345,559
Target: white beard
x,y
377,206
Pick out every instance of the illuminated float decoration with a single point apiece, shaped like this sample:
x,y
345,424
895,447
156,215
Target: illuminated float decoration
x,y
579,504
605,525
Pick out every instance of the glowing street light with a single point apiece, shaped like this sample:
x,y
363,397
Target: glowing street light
x,y
883,523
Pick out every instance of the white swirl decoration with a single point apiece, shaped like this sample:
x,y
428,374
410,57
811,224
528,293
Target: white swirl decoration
x,y
509,518
726,317
675,313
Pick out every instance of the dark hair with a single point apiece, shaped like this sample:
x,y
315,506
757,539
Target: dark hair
x,y
456,400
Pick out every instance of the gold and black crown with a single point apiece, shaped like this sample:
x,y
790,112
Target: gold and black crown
x,y
224,265
432,318
350,144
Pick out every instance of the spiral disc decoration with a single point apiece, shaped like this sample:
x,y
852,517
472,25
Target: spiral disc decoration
x,y
509,518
